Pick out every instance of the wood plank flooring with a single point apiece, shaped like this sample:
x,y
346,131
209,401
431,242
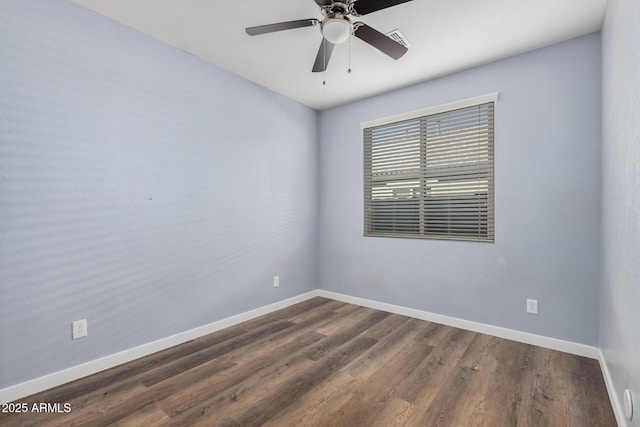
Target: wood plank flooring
x,y
328,363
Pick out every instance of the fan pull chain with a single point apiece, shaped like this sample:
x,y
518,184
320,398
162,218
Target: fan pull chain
x,y
324,61
349,70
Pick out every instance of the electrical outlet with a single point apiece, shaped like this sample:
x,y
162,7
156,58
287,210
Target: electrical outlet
x,y
532,306
276,281
79,329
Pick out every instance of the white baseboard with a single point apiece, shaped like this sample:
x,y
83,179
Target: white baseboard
x,y
616,404
36,385
511,334
45,382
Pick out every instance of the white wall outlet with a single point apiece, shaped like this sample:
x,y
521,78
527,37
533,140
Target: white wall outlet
x,y
79,329
276,281
532,306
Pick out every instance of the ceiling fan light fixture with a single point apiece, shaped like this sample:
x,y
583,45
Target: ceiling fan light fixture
x,y
336,30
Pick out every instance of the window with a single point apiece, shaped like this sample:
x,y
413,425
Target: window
x,y
429,174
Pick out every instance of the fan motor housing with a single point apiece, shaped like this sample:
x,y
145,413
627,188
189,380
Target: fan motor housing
x,y
339,7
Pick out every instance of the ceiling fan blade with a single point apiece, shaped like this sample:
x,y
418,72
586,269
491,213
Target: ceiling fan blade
x,y
324,2
363,7
380,41
281,26
324,54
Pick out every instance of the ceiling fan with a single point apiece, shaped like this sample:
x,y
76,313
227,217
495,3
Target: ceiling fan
x,y
336,26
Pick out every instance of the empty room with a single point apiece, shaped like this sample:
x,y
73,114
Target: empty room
x,y
320,213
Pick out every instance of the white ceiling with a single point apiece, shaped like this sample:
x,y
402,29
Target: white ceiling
x,y
446,36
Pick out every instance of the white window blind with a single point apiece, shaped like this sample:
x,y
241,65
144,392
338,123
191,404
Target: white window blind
x,y
431,176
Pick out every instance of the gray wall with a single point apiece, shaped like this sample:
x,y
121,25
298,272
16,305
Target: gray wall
x,y
620,288
547,184
140,188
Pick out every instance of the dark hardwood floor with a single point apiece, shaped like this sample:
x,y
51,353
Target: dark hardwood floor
x,y
328,363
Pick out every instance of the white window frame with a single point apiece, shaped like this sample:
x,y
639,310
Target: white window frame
x,y
422,114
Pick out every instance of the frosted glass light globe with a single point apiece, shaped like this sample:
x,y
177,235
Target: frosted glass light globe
x,y
336,30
